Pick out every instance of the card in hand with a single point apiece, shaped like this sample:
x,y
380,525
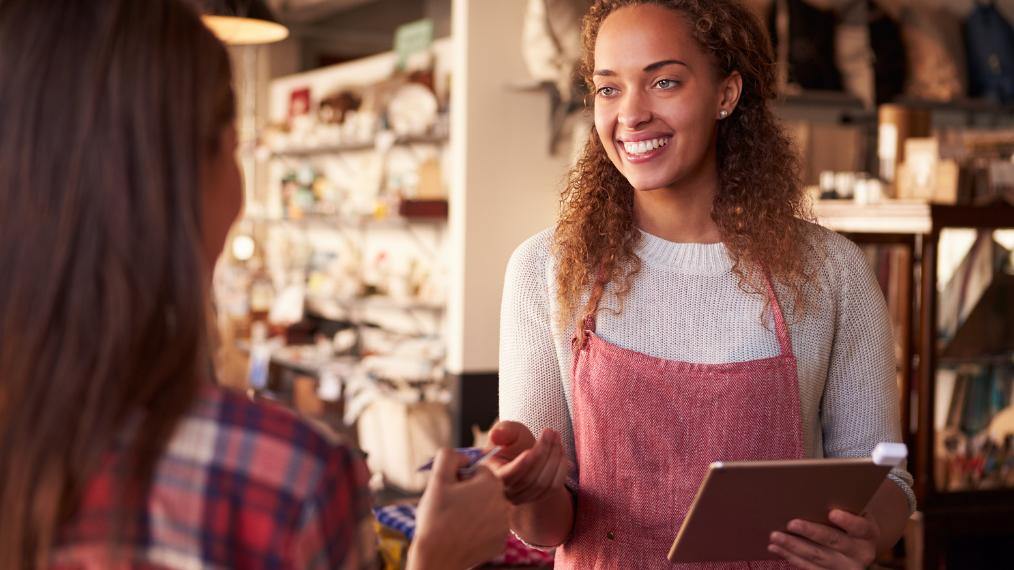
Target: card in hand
x,y
475,456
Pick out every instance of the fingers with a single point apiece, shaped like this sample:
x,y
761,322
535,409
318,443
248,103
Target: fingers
x,y
561,471
483,477
446,465
536,471
793,558
539,478
512,437
861,527
813,545
819,533
800,552
524,467
460,524
505,433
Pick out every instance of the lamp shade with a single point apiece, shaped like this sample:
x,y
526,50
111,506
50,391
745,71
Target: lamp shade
x,y
242,22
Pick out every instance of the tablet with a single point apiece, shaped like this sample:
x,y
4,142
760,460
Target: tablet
x,y
740,504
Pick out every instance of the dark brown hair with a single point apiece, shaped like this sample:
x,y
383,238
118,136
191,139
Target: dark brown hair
x,y
759,206
107,110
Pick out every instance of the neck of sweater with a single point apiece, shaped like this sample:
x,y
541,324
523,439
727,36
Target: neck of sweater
x,y
699,258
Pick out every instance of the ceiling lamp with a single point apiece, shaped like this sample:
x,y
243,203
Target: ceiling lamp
x,y
243,22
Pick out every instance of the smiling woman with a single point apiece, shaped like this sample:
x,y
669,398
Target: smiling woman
x,y
684,64
656,105
684,310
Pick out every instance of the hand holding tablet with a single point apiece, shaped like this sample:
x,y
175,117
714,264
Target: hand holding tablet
x,y
740,504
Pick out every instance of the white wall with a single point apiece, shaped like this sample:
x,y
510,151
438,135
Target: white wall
x,y
505,185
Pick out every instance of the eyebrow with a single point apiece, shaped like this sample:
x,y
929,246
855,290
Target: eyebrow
x,y
651,67
661,64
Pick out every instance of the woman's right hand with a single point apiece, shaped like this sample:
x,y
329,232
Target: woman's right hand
x,y
459,524
530,469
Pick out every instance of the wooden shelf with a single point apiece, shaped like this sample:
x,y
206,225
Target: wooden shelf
x,y
964,105
838,99
375,302
303,152
997,215
909,216
829,107
889,217
353,222
839,107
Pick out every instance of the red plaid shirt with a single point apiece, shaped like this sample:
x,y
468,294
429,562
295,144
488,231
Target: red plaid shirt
x,y
241,484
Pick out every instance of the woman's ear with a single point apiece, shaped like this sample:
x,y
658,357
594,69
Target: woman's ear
x,y
729,90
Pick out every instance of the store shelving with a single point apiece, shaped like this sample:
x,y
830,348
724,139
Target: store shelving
x,y
353,222
375,302
365,162
946,514
843,108
319,150
894,216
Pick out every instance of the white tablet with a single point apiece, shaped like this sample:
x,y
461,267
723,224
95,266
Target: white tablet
x,y
740,504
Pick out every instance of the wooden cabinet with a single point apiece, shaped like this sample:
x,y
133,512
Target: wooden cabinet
x,y
950,518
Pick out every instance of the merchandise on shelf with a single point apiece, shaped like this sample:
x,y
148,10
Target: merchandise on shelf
x,y
973,449
349,265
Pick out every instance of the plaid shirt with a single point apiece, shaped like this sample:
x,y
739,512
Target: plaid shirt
x,y
241,485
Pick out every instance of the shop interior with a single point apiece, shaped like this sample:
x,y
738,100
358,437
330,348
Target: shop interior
x,y
396,152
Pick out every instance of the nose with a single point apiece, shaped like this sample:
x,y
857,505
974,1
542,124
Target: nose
x,y
633,110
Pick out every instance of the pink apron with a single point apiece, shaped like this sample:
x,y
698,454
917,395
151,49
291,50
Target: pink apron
x,y
645,431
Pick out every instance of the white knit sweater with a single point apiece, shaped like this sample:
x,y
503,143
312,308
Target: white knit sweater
x,y
686,305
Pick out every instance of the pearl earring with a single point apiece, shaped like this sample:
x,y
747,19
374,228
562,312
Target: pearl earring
x,y
723,113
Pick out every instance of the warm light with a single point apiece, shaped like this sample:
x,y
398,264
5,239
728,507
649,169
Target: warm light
x,y
1004,238
245,31
243,247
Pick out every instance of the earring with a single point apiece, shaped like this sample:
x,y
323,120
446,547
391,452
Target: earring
x,y
723,113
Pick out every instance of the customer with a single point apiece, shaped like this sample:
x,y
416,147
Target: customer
x,y
683,312
118,183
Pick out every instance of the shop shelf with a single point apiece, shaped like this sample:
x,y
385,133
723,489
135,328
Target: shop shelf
x,y
352,147
375,302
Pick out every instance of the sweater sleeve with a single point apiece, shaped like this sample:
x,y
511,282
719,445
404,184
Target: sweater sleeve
x,y
532,389
860,405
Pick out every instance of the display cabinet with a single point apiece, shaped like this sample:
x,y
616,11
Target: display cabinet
x,y
966,517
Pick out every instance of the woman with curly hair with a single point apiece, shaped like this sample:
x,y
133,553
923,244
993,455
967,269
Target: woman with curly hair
x,y
684,310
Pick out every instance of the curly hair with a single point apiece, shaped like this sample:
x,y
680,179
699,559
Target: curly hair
x,y
760,207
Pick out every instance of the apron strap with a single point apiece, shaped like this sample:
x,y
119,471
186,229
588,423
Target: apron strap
x,y
598,289
776,311
586,325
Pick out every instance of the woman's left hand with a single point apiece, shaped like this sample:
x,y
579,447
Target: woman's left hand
x,y
850,544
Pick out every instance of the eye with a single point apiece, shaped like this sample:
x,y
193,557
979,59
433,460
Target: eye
x,y
606,91
666,83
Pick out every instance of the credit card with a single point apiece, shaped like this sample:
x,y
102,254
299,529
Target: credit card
x,y
475,457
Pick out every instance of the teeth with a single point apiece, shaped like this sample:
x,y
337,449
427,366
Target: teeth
x,y
642,147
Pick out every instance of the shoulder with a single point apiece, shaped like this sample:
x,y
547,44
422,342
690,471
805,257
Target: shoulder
x,y
534,251
263,443
844,277
834,257
839,249
531,260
